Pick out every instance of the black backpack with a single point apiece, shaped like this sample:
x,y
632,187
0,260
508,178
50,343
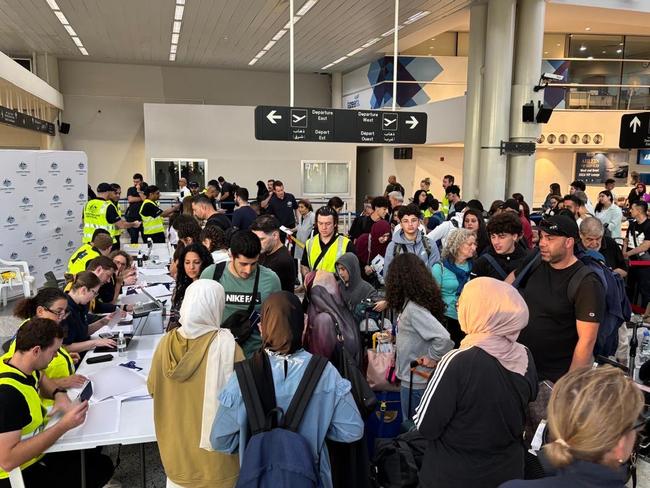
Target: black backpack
x,y
276,454
397,461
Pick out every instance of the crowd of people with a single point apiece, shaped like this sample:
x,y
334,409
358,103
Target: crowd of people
x,y
493,318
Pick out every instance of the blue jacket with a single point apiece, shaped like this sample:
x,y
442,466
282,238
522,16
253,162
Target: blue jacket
x,y
580,474
418,248
331,413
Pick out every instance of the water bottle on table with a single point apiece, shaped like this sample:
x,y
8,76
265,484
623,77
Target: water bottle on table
x,y
121,344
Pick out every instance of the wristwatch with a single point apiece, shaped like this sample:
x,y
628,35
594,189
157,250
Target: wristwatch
x,y
59,390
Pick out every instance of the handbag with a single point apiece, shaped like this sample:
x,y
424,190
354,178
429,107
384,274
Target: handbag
x,y
381,364
363,395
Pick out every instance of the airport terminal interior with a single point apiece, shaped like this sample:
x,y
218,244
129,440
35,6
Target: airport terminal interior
x,y
337,243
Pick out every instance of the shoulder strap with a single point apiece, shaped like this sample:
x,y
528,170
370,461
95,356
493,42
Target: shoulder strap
x,y
530,266
250,395
218,270
303,394
323,251
20,379
426,243
576,281
497,267
251,305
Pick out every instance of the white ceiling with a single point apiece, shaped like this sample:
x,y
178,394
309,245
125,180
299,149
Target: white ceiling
x,y
215,33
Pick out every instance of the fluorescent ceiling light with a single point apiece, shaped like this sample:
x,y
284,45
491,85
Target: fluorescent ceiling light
x,y
268,46
177,27
61,17
83,51
78,42
180,2
340,59
174,38
306,7
70,30
178,13
328,66
416,17
172,56
53,5
252,61
295,21
260,54
371,42
172,49
352,53
388,33
279,35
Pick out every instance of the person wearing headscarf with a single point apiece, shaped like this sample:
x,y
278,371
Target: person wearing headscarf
x,y
331,412
191,365
473,409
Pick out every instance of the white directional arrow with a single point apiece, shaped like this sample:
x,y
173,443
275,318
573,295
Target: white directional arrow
x,y
272,116
412,123
635,124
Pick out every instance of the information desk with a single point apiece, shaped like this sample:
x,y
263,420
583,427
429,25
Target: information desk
x,y
136,424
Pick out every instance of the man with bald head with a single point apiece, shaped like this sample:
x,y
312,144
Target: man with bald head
x,y
393,185
183,190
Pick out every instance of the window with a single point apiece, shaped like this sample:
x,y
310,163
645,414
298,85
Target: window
x,y
554,45
166,172
595,46
326,178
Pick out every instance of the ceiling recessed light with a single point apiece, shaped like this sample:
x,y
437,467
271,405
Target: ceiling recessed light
x,y
371,42
175,38
172,56
430,47
252,61
587,29
279,35
83,51
545,52
178,13
177,26
269,45
557,45
53,5
583,48
173,48
180,2
328,66
620,43
604,52
306,7
433,38
61,17
352,53
340,59
70,30
619,51
590,57
77,41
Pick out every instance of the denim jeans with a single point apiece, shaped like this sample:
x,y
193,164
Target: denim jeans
x,y
416,396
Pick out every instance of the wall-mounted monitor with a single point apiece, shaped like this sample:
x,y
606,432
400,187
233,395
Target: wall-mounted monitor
x,y
643,156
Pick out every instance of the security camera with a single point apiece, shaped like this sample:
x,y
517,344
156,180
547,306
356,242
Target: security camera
x,y
552,76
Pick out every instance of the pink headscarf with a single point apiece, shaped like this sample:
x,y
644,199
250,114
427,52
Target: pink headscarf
x,y
492,314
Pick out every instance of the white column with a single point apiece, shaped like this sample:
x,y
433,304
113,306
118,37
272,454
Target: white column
x,y
527,67
472,151
337,89
495,103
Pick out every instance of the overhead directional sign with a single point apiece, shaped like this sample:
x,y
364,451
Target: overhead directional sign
x,y
334,125
635,131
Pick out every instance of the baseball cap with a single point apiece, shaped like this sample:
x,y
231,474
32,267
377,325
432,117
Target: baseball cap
x,y
104,187
559,225
510,204
193,184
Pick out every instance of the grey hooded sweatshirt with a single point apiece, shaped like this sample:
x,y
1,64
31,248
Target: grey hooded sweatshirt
x,y
419,334
400,244
356,290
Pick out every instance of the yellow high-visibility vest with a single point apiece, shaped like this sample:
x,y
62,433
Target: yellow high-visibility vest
x,y
334,251
151,225
95,218
80,258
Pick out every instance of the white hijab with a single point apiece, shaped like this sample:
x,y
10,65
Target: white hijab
x,y
201,313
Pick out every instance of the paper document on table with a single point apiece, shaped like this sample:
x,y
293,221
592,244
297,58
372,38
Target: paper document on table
x,y
164,278
115,381
138,394
158,291
152,271
102,418
115,329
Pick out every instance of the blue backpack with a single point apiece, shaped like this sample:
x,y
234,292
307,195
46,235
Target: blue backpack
x,y
617,305
276,454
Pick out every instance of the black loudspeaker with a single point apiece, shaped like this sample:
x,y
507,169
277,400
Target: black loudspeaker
x,y
543,114
528,112
403,153
64,127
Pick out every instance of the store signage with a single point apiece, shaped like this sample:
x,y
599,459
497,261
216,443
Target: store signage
x,y
335,125
24,121
635,131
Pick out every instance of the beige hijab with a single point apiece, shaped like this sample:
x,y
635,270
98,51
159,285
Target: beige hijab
x,y
492,314
201,313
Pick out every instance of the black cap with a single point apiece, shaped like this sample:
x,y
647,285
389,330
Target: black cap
x,y
104,187
559,225
193,184
510,204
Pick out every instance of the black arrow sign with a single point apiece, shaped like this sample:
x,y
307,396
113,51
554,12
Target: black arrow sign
x,y
635,131
335,125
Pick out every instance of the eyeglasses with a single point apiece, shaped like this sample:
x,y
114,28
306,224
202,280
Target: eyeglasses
x,y
94,292
59,313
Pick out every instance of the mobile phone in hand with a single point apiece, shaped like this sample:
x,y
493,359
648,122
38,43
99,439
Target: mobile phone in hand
x,y
86,393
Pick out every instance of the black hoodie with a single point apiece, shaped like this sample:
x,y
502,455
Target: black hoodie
x,y
509,262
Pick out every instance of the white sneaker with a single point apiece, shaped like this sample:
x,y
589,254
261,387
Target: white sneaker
x,y
113,483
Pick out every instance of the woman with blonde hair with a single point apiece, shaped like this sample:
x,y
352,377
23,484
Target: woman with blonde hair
x,y
452,272
593,416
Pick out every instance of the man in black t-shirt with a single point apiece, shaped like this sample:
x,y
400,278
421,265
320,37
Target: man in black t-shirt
x,y
363,223
283,205
637,248
203,210
505,253
227,196
393,185
274,255
135,196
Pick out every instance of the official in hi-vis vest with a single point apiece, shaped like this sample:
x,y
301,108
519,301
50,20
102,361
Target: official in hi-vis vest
x,y
322,250
100,245
101,213
115,200
23,416
153,216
